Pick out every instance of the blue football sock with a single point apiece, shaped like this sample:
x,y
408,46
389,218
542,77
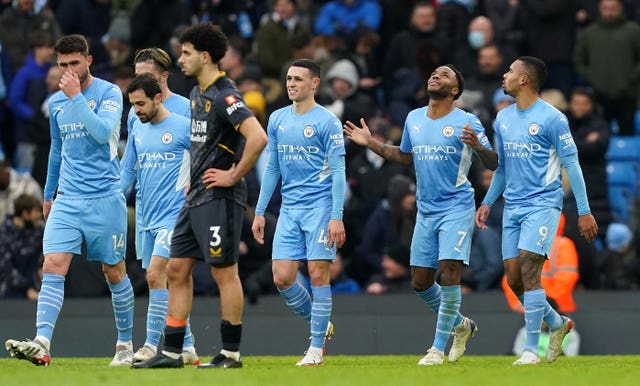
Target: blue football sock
x,y
432,297
298,300
189,341
320,314
156,315
122,301
534,305
551,317
447,314
50,302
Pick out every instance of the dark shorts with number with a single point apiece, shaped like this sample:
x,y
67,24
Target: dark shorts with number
x,y
209,232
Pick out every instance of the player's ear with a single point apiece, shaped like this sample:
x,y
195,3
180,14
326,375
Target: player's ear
x,y
89,60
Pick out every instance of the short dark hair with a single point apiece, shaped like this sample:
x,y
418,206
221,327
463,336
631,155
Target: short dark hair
x,y
537,70
71,44
309,64
25,203
40,38
146,83
207,37
585,91
158,56
459,79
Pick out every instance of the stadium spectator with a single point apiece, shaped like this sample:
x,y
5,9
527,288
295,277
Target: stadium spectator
x,y
596,54
16,26
618,264
28,91
273,37
396,272
7,134
21,253
342,17
550,34
14,184
416,49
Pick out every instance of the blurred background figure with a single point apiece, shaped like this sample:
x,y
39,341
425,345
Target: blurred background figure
x,y
395,275
21,252
618,264
12,185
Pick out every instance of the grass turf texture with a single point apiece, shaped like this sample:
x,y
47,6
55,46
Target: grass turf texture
x,y
336,371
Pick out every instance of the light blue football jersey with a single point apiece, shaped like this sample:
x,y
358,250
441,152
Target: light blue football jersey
x,y
175,104
304,144
84,151
159,156
530,144
441,159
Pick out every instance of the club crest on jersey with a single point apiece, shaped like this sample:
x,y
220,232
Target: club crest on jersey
x,y
308,131
447,131
92,104
167,138
533,129
207,106
193,103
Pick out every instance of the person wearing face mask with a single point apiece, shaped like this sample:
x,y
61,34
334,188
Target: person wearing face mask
x,y
21,240
480,34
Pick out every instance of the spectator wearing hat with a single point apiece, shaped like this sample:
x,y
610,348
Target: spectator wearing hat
x,y
618,264
343,97
395,275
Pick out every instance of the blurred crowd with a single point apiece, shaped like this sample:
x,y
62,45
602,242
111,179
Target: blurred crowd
x,y
376,56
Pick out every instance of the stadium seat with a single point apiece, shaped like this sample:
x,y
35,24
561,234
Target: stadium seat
x,y
624,149
621,202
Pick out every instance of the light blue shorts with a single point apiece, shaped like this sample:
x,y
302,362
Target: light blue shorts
x,y
101,222
302,234
442,237
529,228
153,242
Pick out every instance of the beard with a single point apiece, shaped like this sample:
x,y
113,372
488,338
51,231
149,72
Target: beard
x,y
439,94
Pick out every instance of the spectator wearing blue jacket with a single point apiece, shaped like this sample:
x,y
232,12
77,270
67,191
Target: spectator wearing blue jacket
x,y
341,17
28,91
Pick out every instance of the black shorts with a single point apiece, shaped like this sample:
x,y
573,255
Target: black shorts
x,y
209,232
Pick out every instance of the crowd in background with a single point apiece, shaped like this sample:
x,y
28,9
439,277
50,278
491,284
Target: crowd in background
x,y
376,56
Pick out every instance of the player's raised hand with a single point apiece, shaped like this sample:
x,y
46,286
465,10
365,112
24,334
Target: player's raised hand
x,y
258,229
337,235
359,135
588,227
70,84
470,137
219,177
481,216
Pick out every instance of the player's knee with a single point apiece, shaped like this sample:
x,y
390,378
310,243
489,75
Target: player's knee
x,y
156,279
283,282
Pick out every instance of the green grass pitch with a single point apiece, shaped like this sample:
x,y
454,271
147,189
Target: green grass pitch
x,y
336,371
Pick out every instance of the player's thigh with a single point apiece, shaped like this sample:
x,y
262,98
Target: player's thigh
x,y
289,240
104,224
217,225
424,244
511,221
538,230
315,224
183,240
62,232
454,235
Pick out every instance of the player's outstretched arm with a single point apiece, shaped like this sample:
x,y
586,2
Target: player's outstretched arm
x,y
362,136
